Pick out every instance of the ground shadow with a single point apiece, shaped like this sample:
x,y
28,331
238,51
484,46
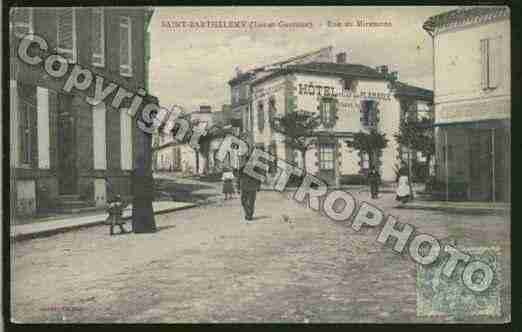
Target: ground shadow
x,y
260,217
167,189
161,228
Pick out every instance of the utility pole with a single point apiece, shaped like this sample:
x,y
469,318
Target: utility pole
x,y
142,180
143,185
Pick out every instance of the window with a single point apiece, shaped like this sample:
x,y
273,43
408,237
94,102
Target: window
x,y
365,161
326,156
260,117
271,109
235,95
369,113
326,113
27,102
490,62
125,46
348,84
273,152
98,37
126,141
22,21
66,33
327,108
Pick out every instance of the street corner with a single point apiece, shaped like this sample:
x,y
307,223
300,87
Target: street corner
x,y
450,298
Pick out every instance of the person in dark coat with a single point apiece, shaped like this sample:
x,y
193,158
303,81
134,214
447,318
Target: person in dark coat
x,y
374,180
249,188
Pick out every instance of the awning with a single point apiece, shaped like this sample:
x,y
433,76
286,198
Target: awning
x,y
482,124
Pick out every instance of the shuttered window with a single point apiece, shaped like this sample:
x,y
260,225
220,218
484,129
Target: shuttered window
x,y
27,106
273,152
369,116
98,37
66,33
327,109
22,21
260,117
271,110
126,141
125,46
365,161
326,156
491,65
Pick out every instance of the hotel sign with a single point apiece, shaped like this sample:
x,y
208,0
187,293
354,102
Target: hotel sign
x,y
312,89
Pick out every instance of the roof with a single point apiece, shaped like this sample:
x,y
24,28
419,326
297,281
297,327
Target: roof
x,y
465,16
339,68
403,89
328,68
251,73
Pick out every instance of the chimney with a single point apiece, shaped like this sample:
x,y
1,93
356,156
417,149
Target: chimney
x,y
341,57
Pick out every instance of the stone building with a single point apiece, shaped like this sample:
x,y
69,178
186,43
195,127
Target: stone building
x,y
240,85
472,80
349,97
64,152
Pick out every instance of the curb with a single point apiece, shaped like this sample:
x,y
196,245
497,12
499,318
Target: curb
x,y
64,229
463,210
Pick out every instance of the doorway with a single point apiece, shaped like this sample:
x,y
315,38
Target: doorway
x,y
327,152
480,165
66,166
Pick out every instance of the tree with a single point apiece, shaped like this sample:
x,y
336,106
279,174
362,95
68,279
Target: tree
x,y
297,127
214,132
417,135
371,143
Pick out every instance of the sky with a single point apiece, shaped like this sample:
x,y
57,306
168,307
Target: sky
x,y
191,65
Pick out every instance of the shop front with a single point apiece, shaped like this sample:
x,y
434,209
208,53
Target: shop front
x,y
475,160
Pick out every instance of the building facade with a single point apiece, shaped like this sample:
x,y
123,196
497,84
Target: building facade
x,y
349,98
173,156
63,150
240,85
472,81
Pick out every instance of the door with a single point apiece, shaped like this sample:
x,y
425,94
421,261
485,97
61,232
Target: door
x,y
327,162
502,163
66,146
480,166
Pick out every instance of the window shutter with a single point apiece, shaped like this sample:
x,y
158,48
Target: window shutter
x,y
98,38
333,112
260,117
22,19
125,46
66,31
494,62
484,62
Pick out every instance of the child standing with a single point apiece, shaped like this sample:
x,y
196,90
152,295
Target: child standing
x,y
228,185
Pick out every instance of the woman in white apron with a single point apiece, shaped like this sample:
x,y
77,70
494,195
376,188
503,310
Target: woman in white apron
x,y
403,190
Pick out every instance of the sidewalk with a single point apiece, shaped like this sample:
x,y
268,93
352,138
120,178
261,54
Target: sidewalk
x,y
462,207
57,225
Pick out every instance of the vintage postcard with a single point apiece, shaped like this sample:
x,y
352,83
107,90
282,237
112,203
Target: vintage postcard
x,y
260,164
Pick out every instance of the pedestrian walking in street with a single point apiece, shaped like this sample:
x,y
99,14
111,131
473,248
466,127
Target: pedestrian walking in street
x,y
374,179
403,189
228,183
249,188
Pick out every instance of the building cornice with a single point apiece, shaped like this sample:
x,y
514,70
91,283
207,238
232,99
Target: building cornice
x,y
465,18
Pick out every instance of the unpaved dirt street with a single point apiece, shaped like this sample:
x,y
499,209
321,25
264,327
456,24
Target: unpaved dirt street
x,y
204,266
